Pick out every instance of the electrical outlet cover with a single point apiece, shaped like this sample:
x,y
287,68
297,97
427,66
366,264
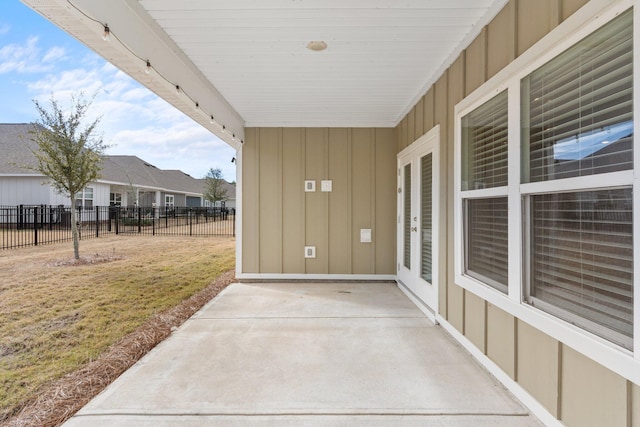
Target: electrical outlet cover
x,y
309,251
309,186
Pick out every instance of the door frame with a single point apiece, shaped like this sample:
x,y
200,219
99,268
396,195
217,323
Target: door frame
x,y
428,143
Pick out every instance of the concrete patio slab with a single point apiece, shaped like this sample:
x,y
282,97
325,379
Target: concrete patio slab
x,y
324,354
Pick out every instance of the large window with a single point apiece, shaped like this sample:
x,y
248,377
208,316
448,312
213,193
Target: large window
x,y
484,169
560,239
579,255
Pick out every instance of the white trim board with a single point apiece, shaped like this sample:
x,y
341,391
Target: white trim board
x,y
312,277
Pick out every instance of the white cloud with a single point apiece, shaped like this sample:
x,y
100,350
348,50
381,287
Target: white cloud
x,y
137,122
27,58
54,54
20,58
4,29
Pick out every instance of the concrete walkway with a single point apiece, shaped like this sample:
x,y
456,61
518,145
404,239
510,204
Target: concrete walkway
x,y
306,354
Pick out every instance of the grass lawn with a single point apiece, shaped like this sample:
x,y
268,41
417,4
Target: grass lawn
x,y
56,317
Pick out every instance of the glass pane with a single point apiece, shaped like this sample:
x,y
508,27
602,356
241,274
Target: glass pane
x,y
407,216
487,241
577,109
426,225
582,256
484,145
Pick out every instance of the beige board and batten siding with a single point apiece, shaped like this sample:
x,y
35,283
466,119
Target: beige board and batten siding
x,y
280,218
571,387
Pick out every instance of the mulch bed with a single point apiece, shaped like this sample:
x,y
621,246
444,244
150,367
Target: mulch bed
x,y
60,400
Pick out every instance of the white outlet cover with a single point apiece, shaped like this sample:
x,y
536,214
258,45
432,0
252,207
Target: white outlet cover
x,y
365,235
326,185
309,186
309,251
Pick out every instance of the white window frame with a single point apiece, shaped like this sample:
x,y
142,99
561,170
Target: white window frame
x,y
585,21
113,198
169,201
82,197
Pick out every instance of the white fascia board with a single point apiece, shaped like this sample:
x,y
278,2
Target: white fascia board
x,y
135,38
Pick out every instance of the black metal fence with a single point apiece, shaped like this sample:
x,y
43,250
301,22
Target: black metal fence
x,y
36,225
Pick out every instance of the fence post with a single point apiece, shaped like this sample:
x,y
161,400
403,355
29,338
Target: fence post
x,y
20,219
97,221
117,217
190,222
153,221
35,226
139,220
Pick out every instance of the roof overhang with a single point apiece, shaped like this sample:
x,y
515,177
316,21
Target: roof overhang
x,y
244,63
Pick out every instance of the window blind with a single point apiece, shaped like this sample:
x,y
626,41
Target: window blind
x,y
407,216
426,171
484,145
579,109
487,241
582,259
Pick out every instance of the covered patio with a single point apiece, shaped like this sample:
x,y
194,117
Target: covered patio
x,y
478,153
313,354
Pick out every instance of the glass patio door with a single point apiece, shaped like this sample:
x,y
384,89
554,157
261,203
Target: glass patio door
x,y
417,221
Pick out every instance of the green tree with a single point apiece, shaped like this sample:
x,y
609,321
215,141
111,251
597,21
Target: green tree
x,y
68,150
214,189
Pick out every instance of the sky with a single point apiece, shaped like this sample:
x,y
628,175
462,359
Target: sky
x,y
38,61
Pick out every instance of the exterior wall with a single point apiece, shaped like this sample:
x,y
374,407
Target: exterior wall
x,y
571,387
280,218
24,191
30,190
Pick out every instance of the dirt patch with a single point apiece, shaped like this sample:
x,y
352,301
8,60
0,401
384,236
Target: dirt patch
x,y
60,400
86,260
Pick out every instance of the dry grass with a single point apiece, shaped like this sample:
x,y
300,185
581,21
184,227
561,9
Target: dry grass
x,y
59,316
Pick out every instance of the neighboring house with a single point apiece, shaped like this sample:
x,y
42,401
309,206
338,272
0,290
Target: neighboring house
x,y
230,197
125,180
429,143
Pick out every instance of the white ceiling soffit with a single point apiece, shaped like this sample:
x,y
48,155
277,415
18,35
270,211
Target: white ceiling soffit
x,y
250,56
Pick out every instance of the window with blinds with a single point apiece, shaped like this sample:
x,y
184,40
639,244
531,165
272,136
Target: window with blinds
x,y
577,121
577,108
582,259
484,145
484,166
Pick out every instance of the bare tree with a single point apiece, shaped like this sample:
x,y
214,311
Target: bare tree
x,y
68,150
214,189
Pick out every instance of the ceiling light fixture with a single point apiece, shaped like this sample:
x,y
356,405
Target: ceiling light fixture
x,y
317,45
148,69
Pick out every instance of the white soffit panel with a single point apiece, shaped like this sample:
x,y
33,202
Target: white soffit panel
x,y
381,55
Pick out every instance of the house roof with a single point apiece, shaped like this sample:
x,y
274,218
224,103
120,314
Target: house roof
x,y
16,146
246,62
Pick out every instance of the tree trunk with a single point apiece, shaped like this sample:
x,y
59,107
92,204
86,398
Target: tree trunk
x,y
74,228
